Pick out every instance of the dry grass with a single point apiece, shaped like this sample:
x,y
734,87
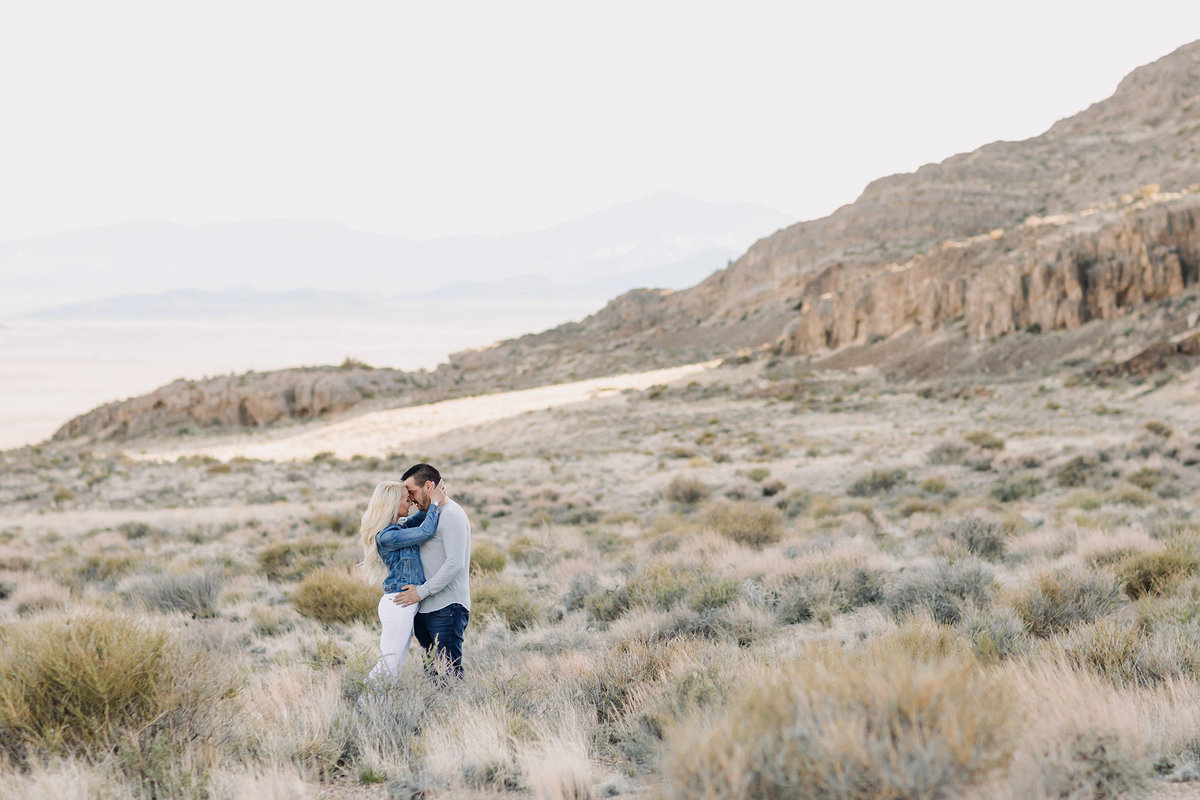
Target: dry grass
x,y
874,723
333,595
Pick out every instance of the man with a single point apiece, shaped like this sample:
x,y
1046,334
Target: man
x,y
445,596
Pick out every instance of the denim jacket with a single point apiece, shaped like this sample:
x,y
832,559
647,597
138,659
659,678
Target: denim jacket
x,y
399,547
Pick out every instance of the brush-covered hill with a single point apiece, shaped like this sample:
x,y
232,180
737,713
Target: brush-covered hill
x,y
1082,222
1091,220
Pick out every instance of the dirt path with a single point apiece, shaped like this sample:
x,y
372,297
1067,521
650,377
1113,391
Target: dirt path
x,y
383,432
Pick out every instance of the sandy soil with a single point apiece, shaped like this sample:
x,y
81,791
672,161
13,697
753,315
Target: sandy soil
x,y
383,432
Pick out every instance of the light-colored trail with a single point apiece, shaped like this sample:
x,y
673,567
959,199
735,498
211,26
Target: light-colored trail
x,y
383,432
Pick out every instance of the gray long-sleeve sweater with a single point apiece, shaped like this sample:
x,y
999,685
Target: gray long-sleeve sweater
x,y
446,559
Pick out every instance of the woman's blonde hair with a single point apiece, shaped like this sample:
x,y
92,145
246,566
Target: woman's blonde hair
x,y
383,510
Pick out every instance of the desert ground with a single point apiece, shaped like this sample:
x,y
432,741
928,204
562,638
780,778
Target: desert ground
x,y
758,579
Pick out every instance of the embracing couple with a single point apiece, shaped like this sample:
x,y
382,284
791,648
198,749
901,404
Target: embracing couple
x,y
424,559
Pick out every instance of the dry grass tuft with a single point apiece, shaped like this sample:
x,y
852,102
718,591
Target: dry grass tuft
x,y
751,524
75,684
858,726
1056,601
333,595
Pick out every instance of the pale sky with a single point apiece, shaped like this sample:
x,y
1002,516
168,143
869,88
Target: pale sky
x,y
429,119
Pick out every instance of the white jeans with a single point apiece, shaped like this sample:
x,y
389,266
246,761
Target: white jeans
x,y
393,641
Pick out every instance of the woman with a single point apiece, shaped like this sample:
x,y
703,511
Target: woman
x,y
390,545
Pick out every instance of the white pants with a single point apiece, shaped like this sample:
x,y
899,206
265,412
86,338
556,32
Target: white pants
x,y
393,641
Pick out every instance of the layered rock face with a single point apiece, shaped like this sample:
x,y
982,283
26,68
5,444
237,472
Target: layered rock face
x,y
1046,273
253,400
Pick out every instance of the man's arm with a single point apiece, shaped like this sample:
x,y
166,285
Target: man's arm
x,y
456,536
396,537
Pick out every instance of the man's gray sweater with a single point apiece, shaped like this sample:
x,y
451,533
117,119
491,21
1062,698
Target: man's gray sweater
x,y
446,559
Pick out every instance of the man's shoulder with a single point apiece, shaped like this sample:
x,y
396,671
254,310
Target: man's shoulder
x,y
453,511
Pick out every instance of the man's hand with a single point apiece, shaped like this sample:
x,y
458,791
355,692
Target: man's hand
x,y
408,596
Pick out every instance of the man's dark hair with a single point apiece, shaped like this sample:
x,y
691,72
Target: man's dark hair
x,y
422,473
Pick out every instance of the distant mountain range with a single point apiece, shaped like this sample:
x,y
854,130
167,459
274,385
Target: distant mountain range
x,y
142,269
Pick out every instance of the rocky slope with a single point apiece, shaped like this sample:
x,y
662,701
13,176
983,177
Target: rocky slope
x,y
910,240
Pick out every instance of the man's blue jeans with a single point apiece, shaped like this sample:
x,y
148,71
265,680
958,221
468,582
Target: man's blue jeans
x,y
441,633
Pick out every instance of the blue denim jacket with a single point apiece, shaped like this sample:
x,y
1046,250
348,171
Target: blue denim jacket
x,y
399,547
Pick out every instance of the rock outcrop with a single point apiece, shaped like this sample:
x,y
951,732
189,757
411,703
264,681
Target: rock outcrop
x,y
250,400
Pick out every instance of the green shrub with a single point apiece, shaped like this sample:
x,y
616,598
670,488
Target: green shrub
x,y
487,557
81,683
877,482
837,726
749,523
985,440
1056,601
289,561
510,601
1159,572
686,490
1128,496
337,522
332,595
979,536
934,485
98,568
822,595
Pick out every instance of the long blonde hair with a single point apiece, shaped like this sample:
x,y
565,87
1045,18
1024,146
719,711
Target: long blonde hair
x,y
383,510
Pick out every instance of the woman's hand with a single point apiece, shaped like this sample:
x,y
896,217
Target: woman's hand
x,y
438,494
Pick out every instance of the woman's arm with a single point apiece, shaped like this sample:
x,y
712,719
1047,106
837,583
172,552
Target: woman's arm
x,y
395,537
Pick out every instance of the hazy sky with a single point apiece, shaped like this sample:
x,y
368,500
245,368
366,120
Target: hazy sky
x,y
429,119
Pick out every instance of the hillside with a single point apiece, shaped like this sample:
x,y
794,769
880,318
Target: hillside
x,y
1094,178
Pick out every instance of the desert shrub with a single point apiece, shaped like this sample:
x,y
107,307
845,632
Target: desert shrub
x,y
772,488
509,601
77,684
948,452
524,549
270,620
331,595
1159,572
1158,428
996,634
1056,601
613,681
664,585
191,593
487,557
821,596
289,561
97,568
1128,495
607,605
985,440
758,474
946,592
1145,478
876,482
934,485
686,490
1095,766
1126,655
336,522
979,536
836,726
749,523
1076,472
1017,487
